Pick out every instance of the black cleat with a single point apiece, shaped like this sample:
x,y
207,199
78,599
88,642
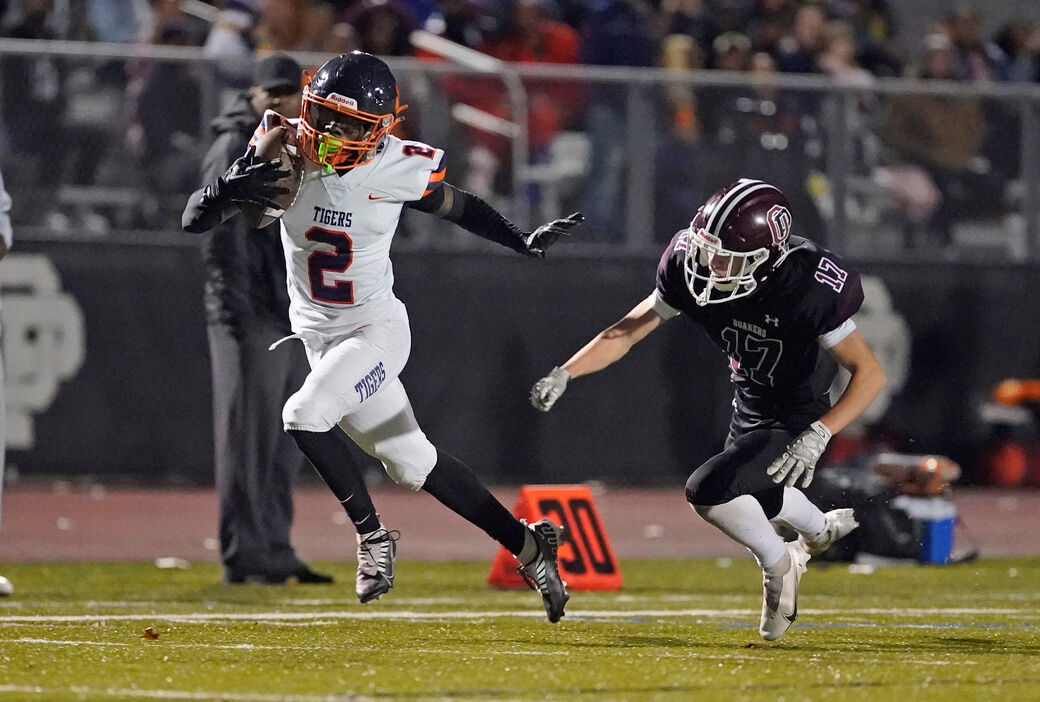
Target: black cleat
x,y
303,575
543,574
306,576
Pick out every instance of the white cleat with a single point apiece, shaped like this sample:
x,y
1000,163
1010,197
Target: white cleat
x,y
375,570
6,588
839,523
780,595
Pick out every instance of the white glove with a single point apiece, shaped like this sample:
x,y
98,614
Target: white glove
x,y
547,391
801,456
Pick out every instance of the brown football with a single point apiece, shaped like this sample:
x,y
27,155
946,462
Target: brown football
x,y
271,145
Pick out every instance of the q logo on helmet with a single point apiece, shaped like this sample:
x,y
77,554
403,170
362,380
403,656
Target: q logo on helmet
x,y
779,220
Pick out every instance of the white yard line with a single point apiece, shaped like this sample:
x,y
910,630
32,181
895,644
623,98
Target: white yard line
x,y
392,614
117,693
702,598
487,653
735,657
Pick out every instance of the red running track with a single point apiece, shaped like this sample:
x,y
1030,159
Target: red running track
x,y
63,522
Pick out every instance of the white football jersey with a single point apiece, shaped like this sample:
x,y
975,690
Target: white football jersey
x,y
337,234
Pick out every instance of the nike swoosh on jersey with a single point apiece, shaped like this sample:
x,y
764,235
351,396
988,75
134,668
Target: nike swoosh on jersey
x,y
376,197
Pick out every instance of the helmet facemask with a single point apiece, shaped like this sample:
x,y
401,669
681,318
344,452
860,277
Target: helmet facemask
x,y
715,274
336,135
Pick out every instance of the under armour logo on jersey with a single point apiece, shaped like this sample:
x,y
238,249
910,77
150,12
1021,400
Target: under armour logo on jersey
x,y
775,321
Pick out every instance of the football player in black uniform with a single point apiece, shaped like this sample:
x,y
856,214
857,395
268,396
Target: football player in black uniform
x,y
771,302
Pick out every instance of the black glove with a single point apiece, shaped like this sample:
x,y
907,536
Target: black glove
x,y
248,180
535,243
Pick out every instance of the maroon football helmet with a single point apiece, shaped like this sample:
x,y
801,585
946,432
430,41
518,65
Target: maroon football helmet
x,y
736,240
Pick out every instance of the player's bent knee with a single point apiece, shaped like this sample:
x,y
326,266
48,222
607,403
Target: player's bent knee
x,y
410,467
297,415
696,494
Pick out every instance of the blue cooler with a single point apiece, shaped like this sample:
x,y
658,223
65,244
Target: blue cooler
x,y
937,517
937,540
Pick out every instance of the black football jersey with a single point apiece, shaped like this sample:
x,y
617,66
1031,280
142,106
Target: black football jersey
x,y
771,336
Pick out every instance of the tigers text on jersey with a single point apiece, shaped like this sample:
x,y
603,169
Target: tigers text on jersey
x,y
337,236
773,336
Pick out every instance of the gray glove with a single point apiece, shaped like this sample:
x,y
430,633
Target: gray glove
x,y
547,391
801,456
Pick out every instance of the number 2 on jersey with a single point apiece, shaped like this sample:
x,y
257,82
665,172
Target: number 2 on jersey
x,y
413,150
325,267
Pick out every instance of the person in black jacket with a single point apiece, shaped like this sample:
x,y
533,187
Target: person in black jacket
x,y
247,310
6,588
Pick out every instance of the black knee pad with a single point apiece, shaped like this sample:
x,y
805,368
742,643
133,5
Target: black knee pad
x,y
741,470
771,499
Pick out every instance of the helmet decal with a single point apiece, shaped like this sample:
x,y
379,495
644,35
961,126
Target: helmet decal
x,y
779,220
348,102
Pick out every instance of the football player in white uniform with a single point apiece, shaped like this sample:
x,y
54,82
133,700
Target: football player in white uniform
x,y
336,234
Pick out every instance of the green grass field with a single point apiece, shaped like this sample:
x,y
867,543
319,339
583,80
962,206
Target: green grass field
x,y
679,630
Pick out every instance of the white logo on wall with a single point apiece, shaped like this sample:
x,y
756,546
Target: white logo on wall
x,y
43,340
888,335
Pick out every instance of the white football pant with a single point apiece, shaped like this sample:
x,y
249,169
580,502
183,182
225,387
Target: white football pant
x,y
354,383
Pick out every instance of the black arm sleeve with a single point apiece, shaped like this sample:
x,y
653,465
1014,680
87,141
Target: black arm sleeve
x,y
203,212
472,214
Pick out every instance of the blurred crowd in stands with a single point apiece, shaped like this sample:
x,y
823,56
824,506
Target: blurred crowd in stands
x,y
919,151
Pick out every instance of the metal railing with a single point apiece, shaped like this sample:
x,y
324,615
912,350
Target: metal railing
x,y
826,141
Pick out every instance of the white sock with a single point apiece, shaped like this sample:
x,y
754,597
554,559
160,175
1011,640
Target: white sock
x,y
367,534
743,520
780,567
774,580
801,515
530,550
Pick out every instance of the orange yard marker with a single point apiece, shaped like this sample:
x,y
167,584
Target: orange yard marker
x,y
586,560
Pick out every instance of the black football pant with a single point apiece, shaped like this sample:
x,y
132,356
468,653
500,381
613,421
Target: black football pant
x,y
741,470
255,461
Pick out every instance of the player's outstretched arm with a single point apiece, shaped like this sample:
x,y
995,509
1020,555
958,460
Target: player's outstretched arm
x,y
474,215
607,347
